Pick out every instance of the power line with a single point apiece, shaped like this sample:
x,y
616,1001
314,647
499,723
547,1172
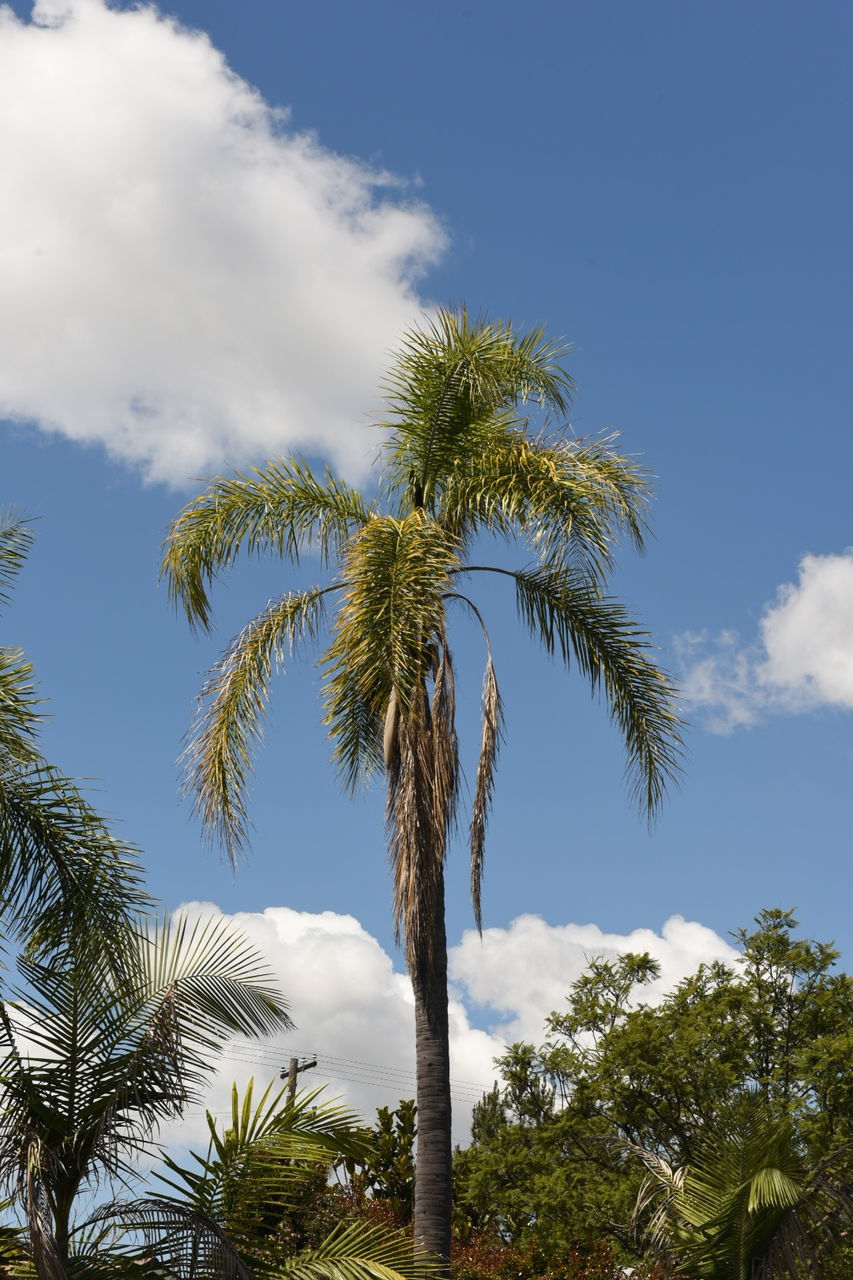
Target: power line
x,y
372,1075
349,1063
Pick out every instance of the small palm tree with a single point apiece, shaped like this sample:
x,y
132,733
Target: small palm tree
x,y
221,1215
92,1064
58,862
459,459
749,1207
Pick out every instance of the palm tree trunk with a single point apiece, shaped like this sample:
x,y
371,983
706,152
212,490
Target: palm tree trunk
x,y
433,1183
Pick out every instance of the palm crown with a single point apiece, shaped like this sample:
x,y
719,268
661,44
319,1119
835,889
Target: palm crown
x,y
460,458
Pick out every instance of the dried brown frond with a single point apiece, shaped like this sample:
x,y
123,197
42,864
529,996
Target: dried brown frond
x,y
489,747
389,735
422,790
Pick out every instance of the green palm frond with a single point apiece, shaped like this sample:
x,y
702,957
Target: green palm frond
x,y
61,869
386,633
18,701
178,1240
262,1157
16,538
107,1061
569,500
355,1251
255,1169
210,981
282,507
748,1206
451,374
18,716
232,705
569,616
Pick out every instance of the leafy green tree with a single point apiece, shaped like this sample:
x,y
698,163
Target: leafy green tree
x,y
779,1022
93,1063
60,867
387,1170
748,1206
460,459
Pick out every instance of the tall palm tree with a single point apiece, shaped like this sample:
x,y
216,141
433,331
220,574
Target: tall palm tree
x,y
459,458
91,1065
58,861
749,1207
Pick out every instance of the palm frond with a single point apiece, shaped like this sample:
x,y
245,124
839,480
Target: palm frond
x,y
416,841
18,716
423,785
263,1157
386,632
107,1061
484,787
450,374
232,704
747,1205
16,538
570,500
573,619
355,1251
61,869
210,981
257,1167
179,1240
281,507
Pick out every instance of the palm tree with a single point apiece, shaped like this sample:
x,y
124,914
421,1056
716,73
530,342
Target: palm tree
x,y
749,1207
93,1064
222,1214
458,460
58,861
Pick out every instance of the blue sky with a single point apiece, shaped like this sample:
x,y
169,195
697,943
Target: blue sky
x,y
191,283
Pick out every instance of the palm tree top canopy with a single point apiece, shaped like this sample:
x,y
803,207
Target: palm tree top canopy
x,y
473,444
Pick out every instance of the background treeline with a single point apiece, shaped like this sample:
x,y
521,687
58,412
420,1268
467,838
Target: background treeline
x,y
737,1064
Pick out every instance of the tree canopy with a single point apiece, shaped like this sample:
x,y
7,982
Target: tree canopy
x,y
779,1023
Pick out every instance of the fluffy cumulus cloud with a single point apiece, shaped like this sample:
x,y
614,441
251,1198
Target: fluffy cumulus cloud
x,y
186,280
801,660
354,1010
517,976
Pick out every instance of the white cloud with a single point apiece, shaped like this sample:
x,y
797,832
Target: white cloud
x,y
186,281
802,659
354,1010
524,972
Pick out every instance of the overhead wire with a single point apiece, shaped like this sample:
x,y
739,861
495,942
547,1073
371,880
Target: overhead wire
x,y
333,1067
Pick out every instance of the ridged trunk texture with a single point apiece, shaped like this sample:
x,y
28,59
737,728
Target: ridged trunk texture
x,y
433,1181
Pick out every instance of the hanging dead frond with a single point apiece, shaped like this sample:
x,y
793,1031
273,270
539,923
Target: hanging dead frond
x,y
33,1194
423,779
489,746
389,736
445,746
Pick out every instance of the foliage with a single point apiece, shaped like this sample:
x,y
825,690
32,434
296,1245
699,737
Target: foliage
x,y
779,1022
748,1205
94,1062
60,867
482,1257
387,1171
251,1184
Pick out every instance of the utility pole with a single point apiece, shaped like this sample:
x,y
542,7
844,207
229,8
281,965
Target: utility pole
x,y
291,1073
